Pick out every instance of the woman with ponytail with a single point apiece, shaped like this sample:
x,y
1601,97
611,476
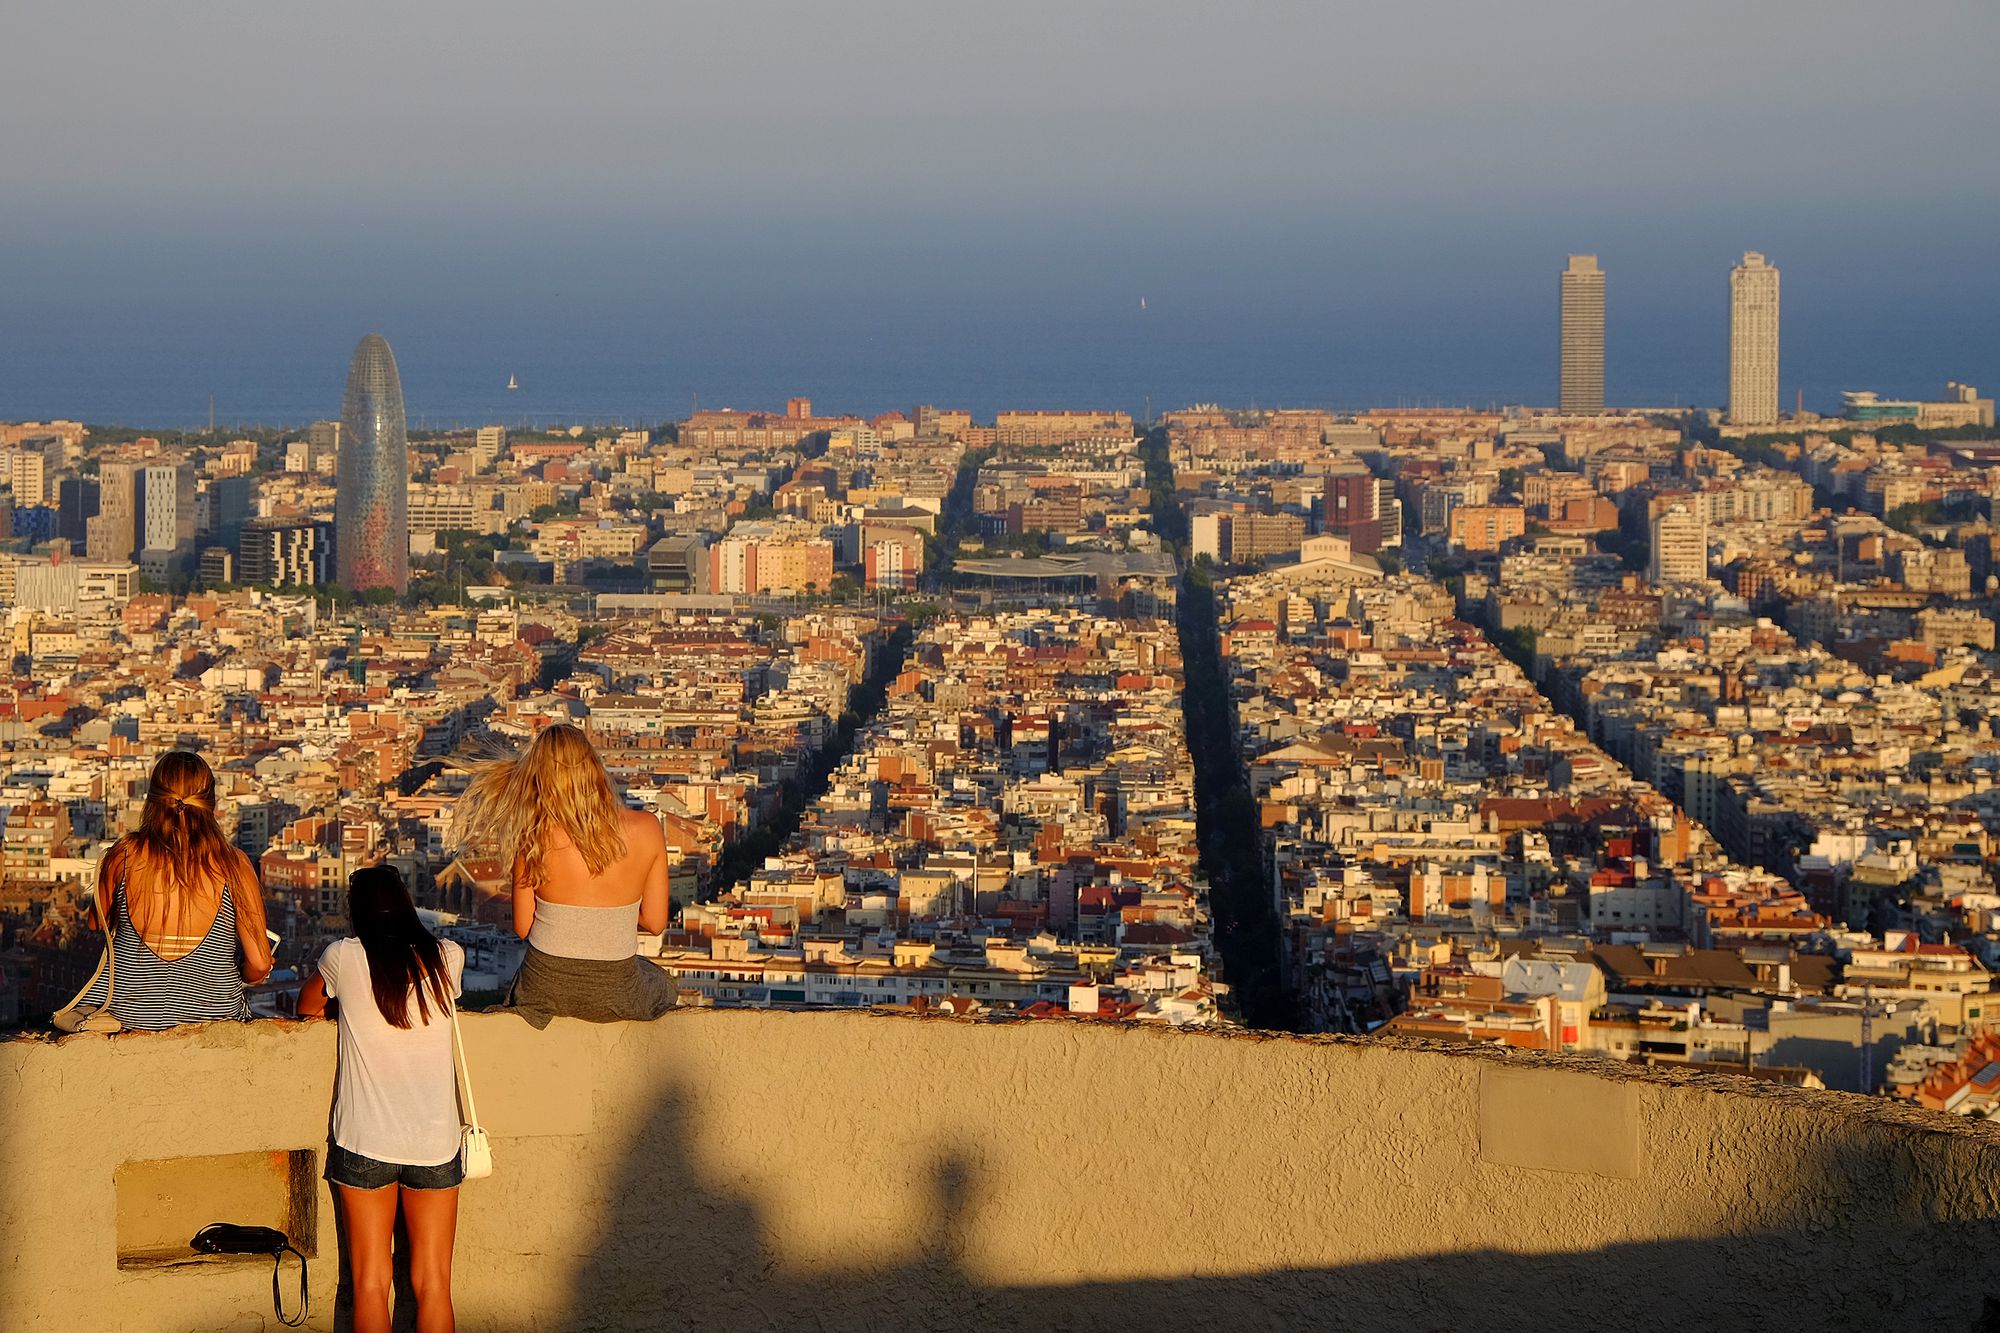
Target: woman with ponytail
x,y
186,912
588,876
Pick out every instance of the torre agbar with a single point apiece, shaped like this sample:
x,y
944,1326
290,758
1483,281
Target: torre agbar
x,y
371,528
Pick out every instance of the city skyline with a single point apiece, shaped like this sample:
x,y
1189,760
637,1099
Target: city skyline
x,y
1071,554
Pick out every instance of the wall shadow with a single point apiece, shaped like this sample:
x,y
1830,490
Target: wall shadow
x,y
677,1253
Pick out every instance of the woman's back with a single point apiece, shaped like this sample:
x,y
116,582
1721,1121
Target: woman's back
x,y
394,1100
182,906
173,918
589,875
567,878
170,975
581,914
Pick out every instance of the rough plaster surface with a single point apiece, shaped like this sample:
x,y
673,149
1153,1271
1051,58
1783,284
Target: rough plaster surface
x,y
730,1170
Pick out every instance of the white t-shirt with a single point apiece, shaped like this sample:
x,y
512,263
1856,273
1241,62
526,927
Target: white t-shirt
x,y
395,1098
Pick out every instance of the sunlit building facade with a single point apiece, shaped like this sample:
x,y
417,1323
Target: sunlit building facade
x,y
1582,388
371,502
1679,546
1753,342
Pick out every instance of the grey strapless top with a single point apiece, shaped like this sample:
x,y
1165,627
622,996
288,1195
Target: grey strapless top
x,y
566,930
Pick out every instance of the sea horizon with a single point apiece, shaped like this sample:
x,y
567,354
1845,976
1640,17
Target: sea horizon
x,y
144,366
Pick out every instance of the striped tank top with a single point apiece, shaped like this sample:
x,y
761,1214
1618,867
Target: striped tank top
x,y
151,992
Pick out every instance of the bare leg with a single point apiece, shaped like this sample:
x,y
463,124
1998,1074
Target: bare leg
x,y
432,1219
371,1230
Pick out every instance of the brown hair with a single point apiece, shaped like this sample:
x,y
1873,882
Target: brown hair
x,y
178,840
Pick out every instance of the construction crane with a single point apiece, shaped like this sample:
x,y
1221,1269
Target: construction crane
x,y
1866,1071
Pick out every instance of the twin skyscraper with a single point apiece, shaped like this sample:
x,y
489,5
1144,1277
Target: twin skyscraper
x,y
1753,339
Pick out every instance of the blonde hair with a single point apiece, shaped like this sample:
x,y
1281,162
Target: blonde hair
x,y
558,783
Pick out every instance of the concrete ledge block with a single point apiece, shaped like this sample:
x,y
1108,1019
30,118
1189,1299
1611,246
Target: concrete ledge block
x,y
529,1084
1549,1120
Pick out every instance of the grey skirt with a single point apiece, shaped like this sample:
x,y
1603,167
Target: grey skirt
x,y
593,989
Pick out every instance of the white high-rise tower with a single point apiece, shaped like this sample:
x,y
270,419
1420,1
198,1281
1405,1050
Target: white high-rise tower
x,y
1582,387
1753,342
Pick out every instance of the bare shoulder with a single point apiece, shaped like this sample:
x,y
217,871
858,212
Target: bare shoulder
x,y
641,826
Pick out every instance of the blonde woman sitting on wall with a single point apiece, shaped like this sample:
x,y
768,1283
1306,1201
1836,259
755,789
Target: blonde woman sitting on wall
x,y
186,914
588,876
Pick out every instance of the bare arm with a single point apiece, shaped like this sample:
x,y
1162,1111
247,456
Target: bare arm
x,y
98,918
654,906
524,902
312,999
249,897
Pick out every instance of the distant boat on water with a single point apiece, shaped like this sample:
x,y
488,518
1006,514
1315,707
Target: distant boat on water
x,y
513,383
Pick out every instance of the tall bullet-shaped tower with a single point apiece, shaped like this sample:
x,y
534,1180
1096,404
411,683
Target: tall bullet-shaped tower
x,y
371,523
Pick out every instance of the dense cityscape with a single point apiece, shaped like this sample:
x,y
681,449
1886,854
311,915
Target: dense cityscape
x,y
1660,735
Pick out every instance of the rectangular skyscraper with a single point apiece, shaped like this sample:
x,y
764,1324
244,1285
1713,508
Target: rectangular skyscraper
x,y
1753,342
112,534
1582,335
165,511
1679,546
76,505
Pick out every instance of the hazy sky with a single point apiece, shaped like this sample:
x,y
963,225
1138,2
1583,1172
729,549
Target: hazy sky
x,y
1436,158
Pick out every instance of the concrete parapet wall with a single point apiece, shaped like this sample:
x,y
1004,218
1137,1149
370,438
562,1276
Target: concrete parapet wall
x,y
734,1169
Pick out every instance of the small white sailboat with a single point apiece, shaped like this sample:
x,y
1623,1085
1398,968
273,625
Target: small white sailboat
x,y
513,383
1142,303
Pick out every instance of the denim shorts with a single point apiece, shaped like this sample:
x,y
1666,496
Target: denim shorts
x,y
365,1173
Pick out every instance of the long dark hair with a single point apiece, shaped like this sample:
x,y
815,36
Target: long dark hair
x,y
178,838
403,957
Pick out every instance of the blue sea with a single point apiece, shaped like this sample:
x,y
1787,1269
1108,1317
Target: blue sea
x,y
160,364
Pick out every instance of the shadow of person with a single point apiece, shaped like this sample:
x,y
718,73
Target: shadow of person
x,y
1838,1239
673,1253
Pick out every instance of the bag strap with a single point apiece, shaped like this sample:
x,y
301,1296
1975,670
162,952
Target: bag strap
x,y
104,966
458,1061
78,998
109,919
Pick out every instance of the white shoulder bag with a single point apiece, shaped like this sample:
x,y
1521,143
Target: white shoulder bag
x,y
475,1154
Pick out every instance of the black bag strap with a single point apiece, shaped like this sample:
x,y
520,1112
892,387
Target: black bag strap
x,y
227,1238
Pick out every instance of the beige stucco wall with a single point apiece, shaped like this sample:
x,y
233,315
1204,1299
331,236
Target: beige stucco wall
x,y
760,1170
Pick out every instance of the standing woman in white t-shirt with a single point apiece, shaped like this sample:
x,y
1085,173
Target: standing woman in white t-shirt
x,y
395,1103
